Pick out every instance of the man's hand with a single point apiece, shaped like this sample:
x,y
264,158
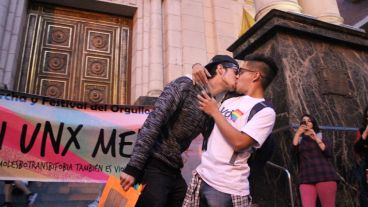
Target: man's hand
x,y
126,180
208,104
200,74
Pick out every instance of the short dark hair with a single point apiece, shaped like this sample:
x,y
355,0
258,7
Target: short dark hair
x,y
268,67
212,71
314,122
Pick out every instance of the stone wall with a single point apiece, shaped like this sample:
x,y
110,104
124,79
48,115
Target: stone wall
x,y
324,72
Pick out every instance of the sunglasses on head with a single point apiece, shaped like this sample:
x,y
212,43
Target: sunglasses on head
x,y
232,66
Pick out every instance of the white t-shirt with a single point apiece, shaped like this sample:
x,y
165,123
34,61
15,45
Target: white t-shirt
x,y
215,168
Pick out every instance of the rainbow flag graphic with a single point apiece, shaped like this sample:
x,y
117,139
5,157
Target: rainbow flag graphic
x,y
236,114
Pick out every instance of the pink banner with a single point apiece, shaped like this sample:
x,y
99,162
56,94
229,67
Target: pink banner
x,y
44,139
52,140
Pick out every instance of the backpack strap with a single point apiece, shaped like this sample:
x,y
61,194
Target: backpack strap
x,y
255,109
259,106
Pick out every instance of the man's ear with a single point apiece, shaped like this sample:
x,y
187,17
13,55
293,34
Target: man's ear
x,y
257,77
220,70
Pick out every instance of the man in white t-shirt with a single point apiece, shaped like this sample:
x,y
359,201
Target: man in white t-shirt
x,y
221,180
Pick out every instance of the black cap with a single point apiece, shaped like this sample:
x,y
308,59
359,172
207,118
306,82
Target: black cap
x,y
217,59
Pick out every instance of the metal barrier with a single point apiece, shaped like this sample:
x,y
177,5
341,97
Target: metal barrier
x,y
289,179
334,128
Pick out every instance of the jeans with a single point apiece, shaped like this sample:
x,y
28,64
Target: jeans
x,y
210,197
165,187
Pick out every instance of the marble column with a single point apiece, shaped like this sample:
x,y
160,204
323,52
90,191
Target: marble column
x,y
137,53
172,40
4,6
155,84
325,10
264,6
12,23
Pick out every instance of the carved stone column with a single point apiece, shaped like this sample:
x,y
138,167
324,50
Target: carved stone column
x,y
264,6
155,64
172,40
12,23
4,7
325,10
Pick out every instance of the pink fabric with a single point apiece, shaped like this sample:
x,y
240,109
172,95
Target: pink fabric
x,y
326,192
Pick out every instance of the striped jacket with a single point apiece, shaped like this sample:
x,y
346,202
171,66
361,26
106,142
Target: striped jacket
x,y
170,128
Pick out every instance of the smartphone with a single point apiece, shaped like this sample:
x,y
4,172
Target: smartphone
x,y
303,123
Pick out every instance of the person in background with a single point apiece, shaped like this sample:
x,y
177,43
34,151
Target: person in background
x,y
361,150
21,185
317,176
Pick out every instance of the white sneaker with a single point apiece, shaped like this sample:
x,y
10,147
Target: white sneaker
x,y
32,198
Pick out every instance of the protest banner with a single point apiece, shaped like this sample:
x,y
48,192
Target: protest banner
x,y
45,139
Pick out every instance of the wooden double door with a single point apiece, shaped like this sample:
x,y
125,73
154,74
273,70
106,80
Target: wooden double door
x,y
76,55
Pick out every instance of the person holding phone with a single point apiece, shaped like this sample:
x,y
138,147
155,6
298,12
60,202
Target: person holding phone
x,y
317,176
361,150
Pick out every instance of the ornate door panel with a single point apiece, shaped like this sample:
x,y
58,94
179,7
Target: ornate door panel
x,y
76,55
